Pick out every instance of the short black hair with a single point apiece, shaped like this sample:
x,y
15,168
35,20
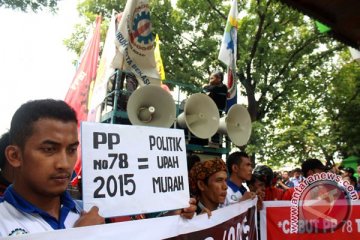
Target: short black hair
x,y
350,170
220,75
353,179
264,173
312,164
22,121
191,160
253,179
4,142
235,158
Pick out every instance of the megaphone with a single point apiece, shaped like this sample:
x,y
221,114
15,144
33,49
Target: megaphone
x,y
151,105
236,124
200,116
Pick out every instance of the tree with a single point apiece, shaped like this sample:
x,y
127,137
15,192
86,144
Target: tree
x,y
345,108
284,66
34,5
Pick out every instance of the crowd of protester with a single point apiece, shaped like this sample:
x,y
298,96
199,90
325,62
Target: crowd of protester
x,y
244,182
39,152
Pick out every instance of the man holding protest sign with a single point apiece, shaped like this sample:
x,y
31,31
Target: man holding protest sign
x,y
43,151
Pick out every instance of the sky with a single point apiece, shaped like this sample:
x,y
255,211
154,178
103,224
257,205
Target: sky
x,y
34,63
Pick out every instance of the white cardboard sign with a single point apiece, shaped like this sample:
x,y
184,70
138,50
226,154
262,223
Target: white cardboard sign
x,y
130,169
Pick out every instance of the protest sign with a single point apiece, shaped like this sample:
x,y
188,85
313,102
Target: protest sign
x,y
133,169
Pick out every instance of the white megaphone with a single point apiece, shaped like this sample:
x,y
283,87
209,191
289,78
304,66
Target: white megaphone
x,y
151,105
236,124
200,116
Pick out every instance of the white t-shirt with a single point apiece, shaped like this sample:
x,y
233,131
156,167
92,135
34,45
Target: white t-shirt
x,y
18,216
234,193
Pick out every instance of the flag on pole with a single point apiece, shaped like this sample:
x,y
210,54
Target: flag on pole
x,y
322,27
227,53
104,71
135,43
159,63
78,94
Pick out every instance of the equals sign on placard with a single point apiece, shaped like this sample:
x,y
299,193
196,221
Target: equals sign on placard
x,y
143,163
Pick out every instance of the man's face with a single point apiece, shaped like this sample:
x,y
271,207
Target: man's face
x,y
296,175
47,160
244,169
215,189
258,186
214,80
344,174
285,176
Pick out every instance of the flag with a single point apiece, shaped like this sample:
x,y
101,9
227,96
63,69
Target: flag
x,y
135,43
159,63
227,53
322,27
104,71
78,94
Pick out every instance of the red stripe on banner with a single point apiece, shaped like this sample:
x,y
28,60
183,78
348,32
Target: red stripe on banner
x,y
78,94
232,91
278,224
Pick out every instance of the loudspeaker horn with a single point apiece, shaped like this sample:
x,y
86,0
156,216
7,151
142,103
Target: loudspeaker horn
x,y
200,116
236,124
151,105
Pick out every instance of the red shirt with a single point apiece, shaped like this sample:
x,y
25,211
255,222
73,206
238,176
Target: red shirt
x,y
273,193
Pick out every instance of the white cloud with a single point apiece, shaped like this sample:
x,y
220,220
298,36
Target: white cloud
x,y
34,63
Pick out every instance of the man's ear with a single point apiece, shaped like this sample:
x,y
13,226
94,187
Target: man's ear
x,y
13,155
201,185
234,168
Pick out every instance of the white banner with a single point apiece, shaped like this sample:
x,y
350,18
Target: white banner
x,y
236,221
104,70
228,48
135,43
133,169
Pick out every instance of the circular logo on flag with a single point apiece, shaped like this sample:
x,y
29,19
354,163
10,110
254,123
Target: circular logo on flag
x,y
141,35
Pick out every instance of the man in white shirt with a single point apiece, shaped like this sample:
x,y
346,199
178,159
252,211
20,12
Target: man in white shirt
x,y
43,151
240,170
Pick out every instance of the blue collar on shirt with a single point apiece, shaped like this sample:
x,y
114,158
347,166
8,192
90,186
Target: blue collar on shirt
x,y
67,205
235,187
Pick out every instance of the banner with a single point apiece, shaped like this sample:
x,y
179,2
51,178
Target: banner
x,y
78,94
135,43
233,222
104,71
159,62
115,173
228,51
275,224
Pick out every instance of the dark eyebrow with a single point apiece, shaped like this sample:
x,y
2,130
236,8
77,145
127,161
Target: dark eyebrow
x,y
50,142
75,144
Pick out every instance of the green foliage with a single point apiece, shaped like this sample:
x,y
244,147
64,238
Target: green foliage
x,y
285,70
33,5
345,108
